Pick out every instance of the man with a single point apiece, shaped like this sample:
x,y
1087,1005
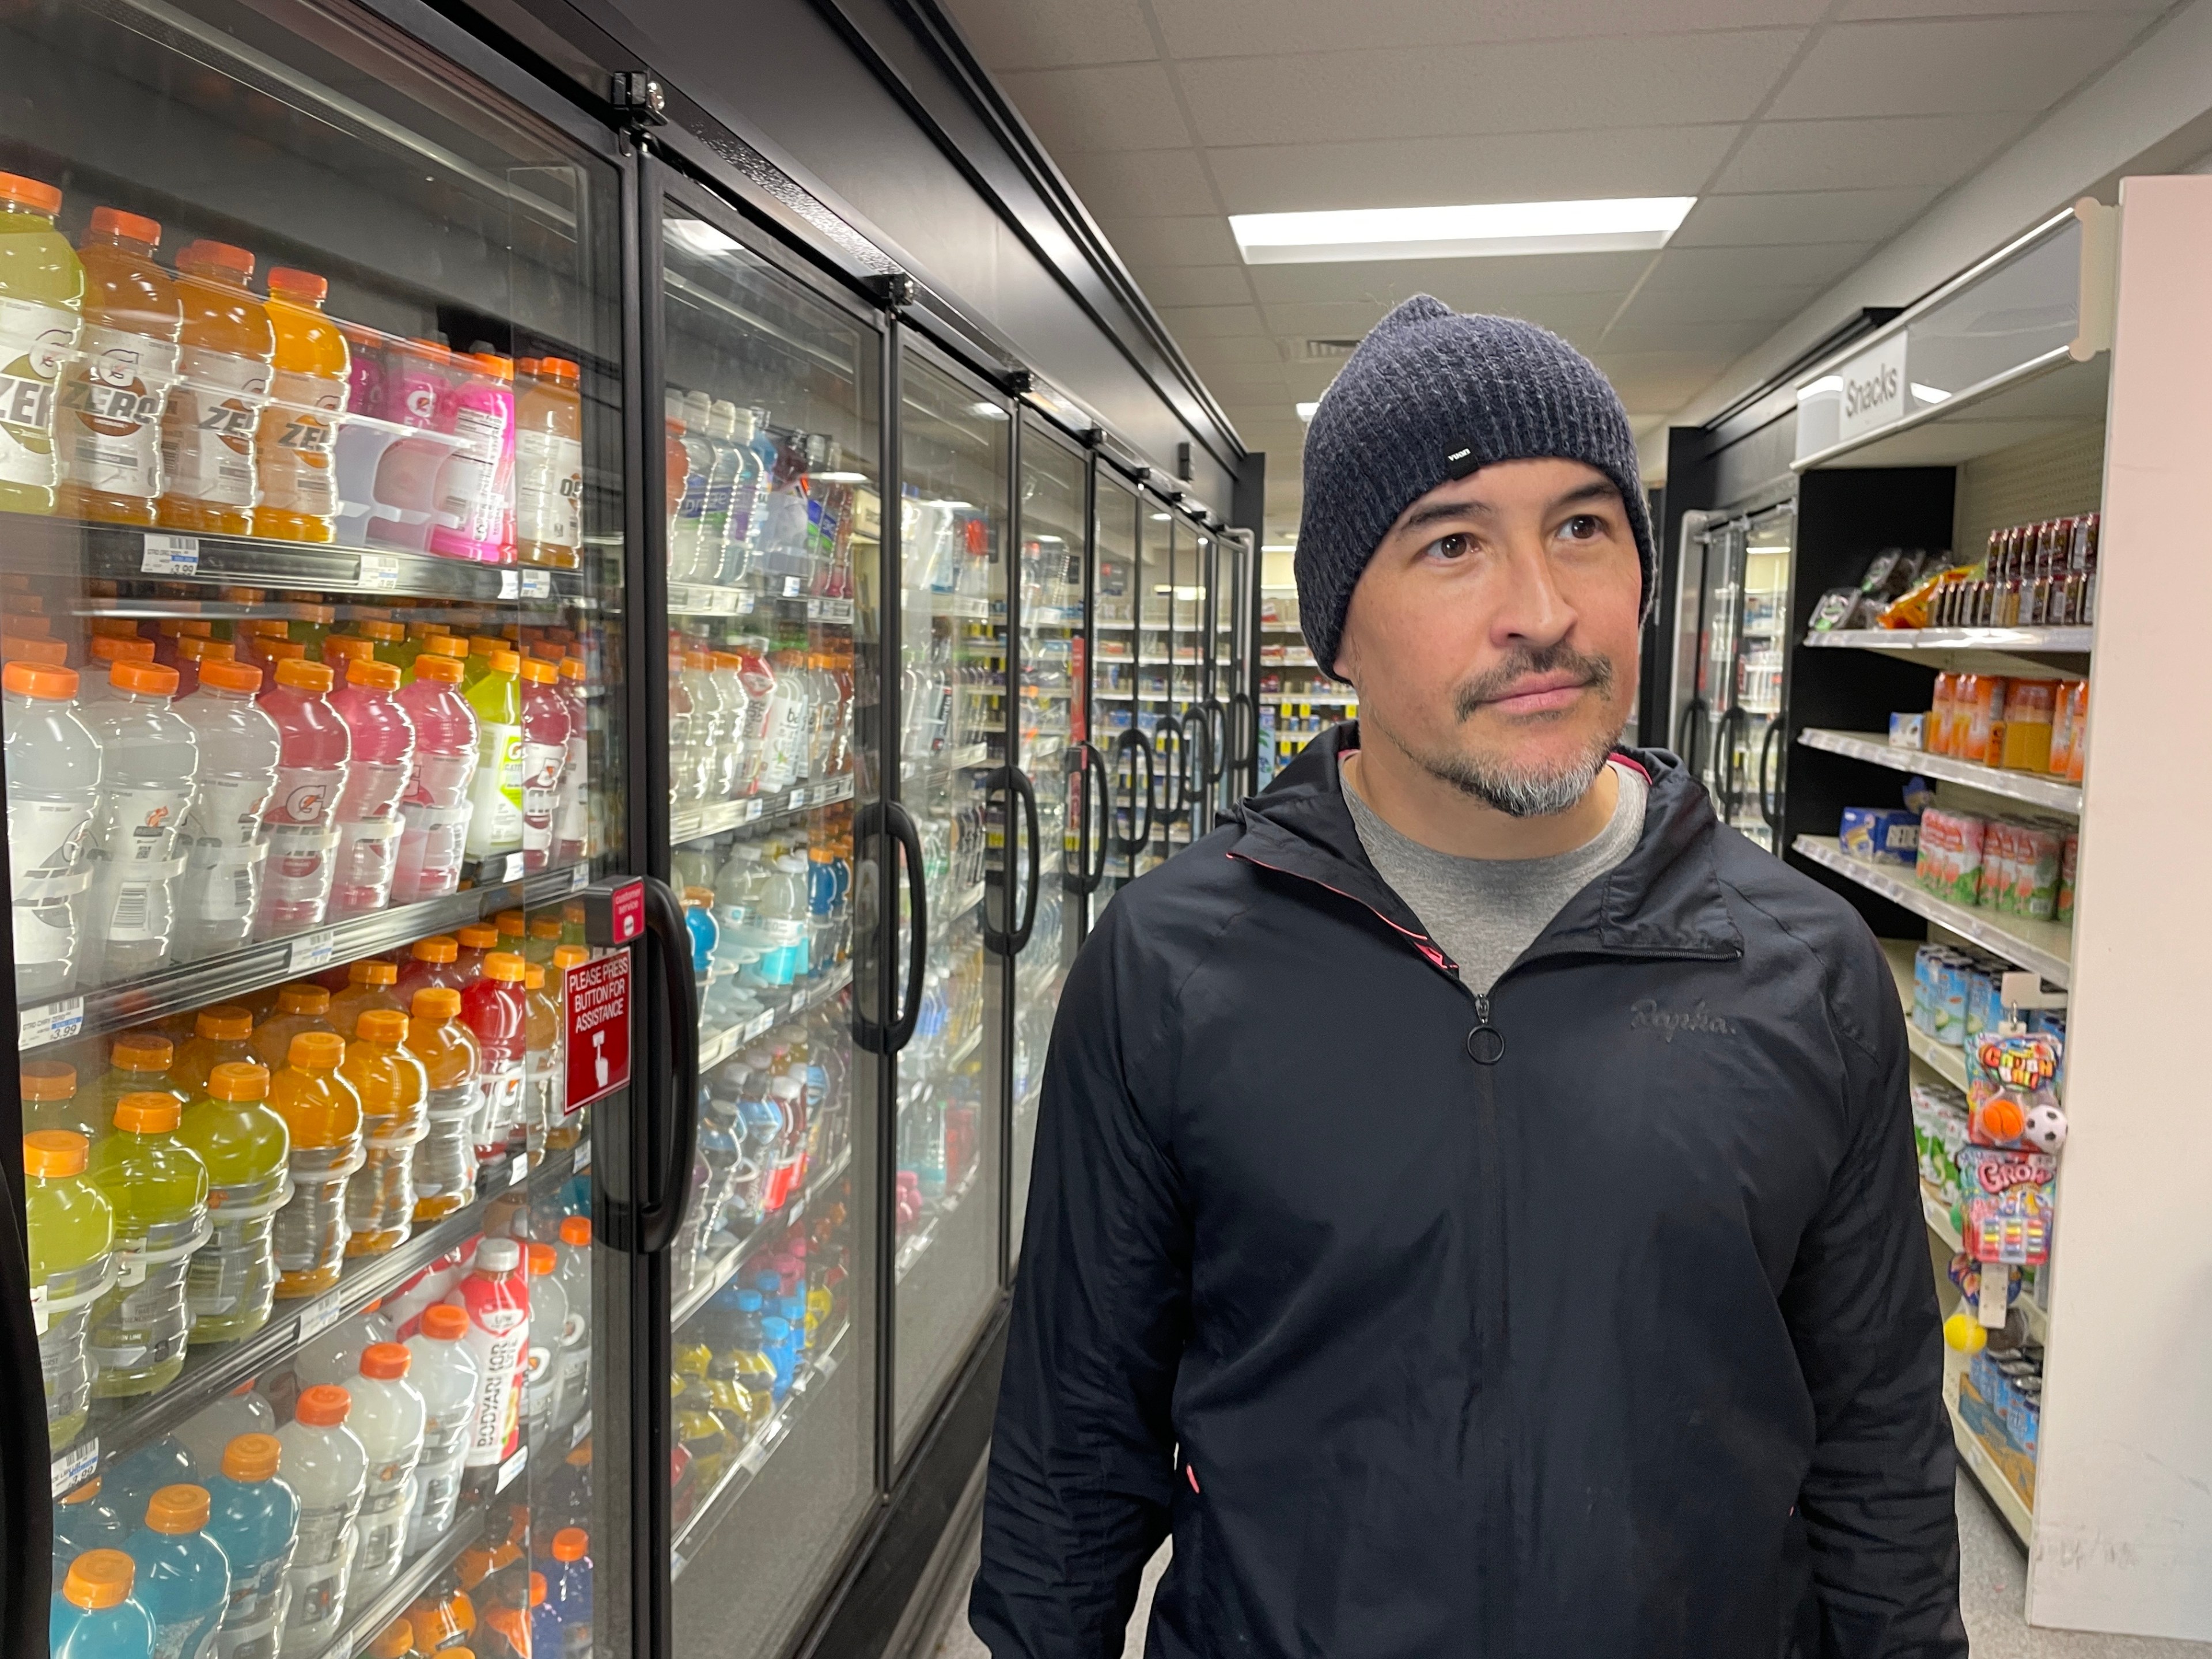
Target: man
x,y
1474,1208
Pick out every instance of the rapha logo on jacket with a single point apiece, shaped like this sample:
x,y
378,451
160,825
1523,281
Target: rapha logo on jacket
x,y
1648,1016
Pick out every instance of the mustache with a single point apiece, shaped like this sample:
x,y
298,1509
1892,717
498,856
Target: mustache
x,y
1594,671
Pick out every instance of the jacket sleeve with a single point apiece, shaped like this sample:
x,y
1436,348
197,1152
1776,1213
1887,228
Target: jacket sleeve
x,y
1083,1456
1879,1499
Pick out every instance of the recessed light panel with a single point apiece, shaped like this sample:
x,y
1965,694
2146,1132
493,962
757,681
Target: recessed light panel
x,y
1619,225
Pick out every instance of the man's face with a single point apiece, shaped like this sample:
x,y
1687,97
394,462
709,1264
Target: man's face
x,y
1492,637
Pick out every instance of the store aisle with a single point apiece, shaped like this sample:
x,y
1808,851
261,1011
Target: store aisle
x,y
1992,1583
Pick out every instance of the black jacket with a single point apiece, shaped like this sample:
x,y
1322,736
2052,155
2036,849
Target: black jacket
x,y
1594,1317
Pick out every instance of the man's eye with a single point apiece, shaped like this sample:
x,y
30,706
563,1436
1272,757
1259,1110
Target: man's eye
x,y
1582,527
1449,547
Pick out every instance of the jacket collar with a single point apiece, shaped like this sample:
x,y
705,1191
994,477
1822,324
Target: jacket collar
x,y
1664,899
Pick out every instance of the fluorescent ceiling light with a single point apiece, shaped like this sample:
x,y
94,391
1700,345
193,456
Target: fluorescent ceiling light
x,y
1162,518
988,411
1488,229
1306,411
1928,394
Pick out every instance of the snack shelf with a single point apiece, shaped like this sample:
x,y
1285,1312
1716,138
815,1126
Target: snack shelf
x,y
698,822
714,1050
2009,1504
215,1368
917,1243
271,962
1974,650
733,1256
2043,946
2035,789
413,1576
709,1512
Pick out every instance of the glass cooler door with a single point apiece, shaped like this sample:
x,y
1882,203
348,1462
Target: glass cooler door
x,y
774,530
1156,720
311,572
1115,732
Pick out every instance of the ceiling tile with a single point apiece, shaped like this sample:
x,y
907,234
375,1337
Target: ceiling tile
x,y
1855,11
1670,79
1950,65
1138,183
1196,322
1119,107
1729,339
1173,239
1195,285
1201,28
1750,298
1928,152
1019,34
1234,350
1719,269
1521,166
1811,215
1661,379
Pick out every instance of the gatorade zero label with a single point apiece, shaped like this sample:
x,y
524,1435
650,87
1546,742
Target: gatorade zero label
x,y
34,340
295,470
111,404
207,439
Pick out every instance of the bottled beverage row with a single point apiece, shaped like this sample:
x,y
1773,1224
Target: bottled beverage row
x,y
754,505
179,397
947,685
768,912
201,783
939,1142
183,1177
749,716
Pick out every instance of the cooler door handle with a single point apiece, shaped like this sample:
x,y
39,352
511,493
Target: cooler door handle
x,y
1027,790
1097,797
1769,807
671,1098
900,823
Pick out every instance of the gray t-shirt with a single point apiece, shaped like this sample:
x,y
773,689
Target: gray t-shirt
x,y
1486,912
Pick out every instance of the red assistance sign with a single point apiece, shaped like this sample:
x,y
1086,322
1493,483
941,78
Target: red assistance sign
x,y
596,998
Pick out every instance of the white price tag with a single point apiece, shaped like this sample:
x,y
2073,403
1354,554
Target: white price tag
x,y
52,1022
511,1467
379,571
514,865
510,583
318,1316
537,584
171,556
583,1428
583,1156
73,1467
580,877
313,951
517,1167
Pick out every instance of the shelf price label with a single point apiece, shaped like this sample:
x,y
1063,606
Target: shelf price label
x,y
54,1022
73,1467
171,556
379,571
596,995
537,584
315,951
511,1467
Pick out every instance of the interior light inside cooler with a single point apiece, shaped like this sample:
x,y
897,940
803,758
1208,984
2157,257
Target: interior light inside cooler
x,y
1484,229
1162,518
839,477
989,411
700,237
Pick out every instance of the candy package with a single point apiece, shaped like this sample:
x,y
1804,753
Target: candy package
x,y
2014,1092
2006,1204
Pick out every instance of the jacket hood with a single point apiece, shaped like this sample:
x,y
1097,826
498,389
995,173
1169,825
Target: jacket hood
x,y
1664,899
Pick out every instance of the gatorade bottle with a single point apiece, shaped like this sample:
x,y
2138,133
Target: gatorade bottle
x,y
544,754
149,763
138,1063
572,813
496,824
205,1434
183,1578
53,767
568,1590
387,640
324,1115
220,1036
444,1374
298,434
542,1372
564,1128
158,1189
246,1148
750,1373
81,1523
369,984
95,1616
470,519
542,1072
434,812
395,1641
443,1619
543,938
334,1356
477,940
497,1302
496,1012
302,1005
310,775
389,1418
446,1162
393,1085
432,961
311,627
72,1226
208,481
254,1515
324,1464
383,757
239,749
549,467
108,427
575,1277
106,650
41,287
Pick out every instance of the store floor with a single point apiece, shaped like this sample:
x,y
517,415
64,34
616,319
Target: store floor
x,y
1992,1583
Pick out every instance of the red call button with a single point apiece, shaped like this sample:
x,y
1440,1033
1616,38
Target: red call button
x,y
614,913
596,995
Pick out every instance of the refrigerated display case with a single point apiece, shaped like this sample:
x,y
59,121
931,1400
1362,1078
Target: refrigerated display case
x,y
1124,741
1733,621
312,576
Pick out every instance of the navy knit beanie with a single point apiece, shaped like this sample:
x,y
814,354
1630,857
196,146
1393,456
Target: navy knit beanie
x,y
1432,395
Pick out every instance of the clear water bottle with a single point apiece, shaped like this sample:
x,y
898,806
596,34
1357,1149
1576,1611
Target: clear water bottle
x,y
53,783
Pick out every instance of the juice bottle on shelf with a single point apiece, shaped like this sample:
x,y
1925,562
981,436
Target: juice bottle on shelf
x,y
209,480
388,1418
382,760
95,1616
208,1432
324,1115
41,287
569,1588
326,1466
312,626
225,847
543,1374
149,765
138,1063
307,393
495,794
53,767
477,940
310,775
71,1229
436,810
496,1012
108,429
472,519
370,983
432,961
545,719
497,1302
82,1522
575,1275
157,1187
549,467
220,1034
183,1579
543,1075
571,813
446,1162
393,1085
254,1515
543,940
302,1005
386,637
444,1374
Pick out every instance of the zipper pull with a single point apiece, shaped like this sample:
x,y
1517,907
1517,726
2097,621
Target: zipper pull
x,y
1485,1043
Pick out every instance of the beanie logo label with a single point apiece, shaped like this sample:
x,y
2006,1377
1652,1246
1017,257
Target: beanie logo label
x,y
1461,461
